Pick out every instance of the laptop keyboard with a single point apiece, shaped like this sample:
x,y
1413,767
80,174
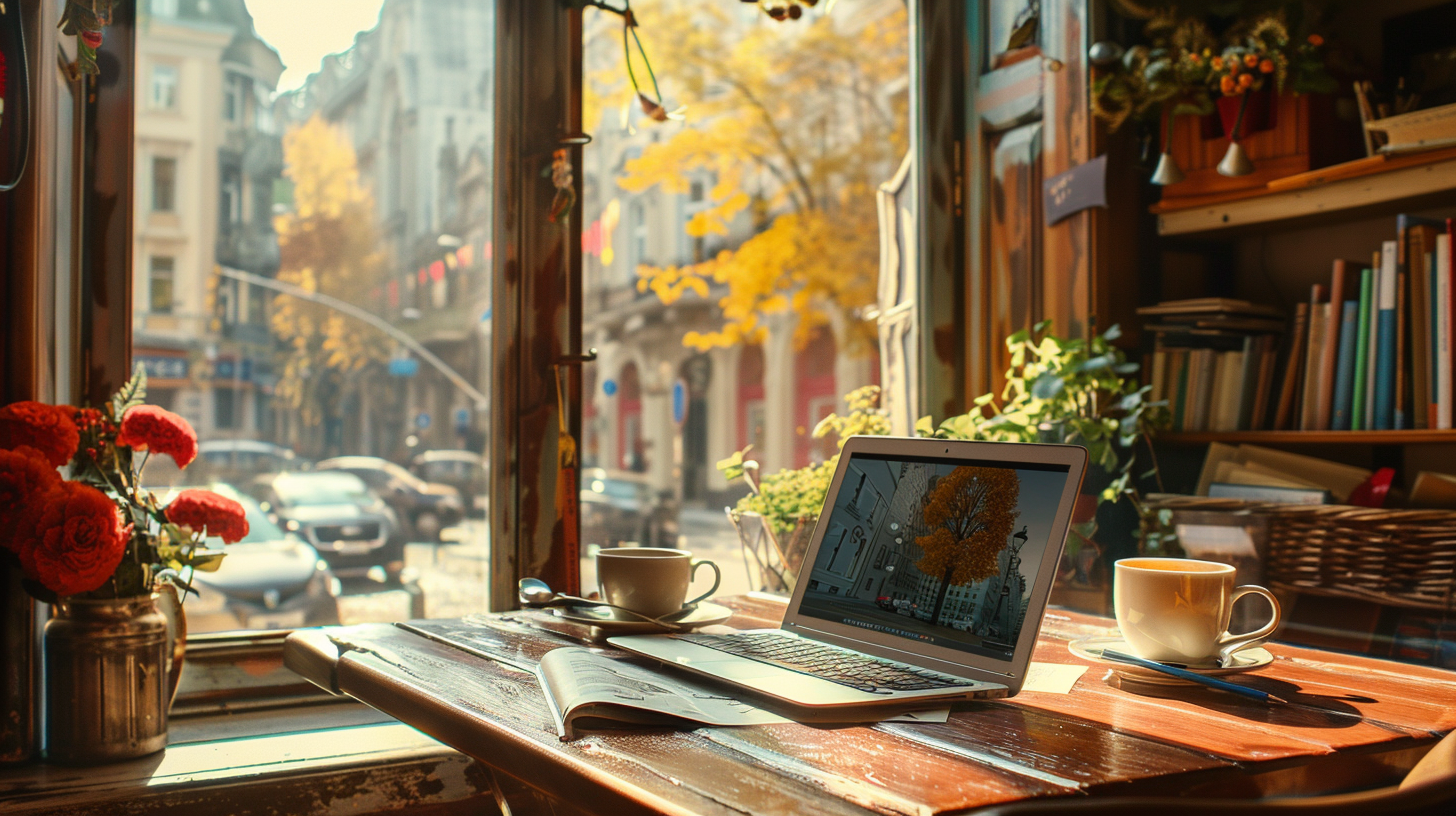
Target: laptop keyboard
x,y
862,672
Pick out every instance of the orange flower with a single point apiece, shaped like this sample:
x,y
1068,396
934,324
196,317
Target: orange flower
x,y
1245,81
1218,63
1267,66
1251,60
1316,40
1226,84
1195,59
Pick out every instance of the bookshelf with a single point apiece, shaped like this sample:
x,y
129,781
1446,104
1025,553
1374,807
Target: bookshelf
x,y
1352,189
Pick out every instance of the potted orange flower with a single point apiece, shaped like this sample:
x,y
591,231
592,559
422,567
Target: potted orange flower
x,y
109,558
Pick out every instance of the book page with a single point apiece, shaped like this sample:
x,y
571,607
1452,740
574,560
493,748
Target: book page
x,y
580,683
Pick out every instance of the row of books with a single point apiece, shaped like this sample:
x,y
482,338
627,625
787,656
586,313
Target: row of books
x,y
1214,362
1372,350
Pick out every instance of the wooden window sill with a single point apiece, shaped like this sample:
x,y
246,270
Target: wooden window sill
x,y
322,759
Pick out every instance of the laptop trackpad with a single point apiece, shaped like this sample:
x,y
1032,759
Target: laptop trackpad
x,y
741,671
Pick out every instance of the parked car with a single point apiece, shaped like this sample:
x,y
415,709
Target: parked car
x,y
619,507
426,507
335,512
270,580
463,470
238,460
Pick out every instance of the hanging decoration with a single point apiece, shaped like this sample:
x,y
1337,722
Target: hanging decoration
x,y
783,10
562,179
651,105
84,19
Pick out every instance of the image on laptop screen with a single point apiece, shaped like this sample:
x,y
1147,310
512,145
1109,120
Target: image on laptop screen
x,y
939,552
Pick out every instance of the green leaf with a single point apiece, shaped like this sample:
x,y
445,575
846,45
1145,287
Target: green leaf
x,y
130,395
1047,386
924,426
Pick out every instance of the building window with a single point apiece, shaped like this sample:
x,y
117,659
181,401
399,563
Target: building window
x,y
164,184
224,407
161,273
639,235
164,87
695,192
232,100
230,203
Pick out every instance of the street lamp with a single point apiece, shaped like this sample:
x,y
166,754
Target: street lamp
x,y
889,571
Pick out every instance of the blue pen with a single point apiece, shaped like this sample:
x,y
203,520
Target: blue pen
x,y
1194,677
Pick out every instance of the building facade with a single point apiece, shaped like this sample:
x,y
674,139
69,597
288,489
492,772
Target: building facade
x,y
414,96
208,156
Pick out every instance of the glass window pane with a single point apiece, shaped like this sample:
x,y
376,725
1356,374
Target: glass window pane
x,y
351,158
730,254
164,184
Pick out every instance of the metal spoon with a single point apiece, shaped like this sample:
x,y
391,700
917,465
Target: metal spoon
x,y
537,594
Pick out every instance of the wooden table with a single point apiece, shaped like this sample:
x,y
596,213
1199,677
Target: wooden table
x,y
1353,722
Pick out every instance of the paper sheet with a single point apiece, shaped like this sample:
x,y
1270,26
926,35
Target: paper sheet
x,y
1052,678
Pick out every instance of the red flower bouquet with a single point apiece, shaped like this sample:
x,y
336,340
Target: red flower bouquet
x,y
100,533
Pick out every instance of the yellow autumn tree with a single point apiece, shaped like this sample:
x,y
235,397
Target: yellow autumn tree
x,y
327,244
970,513
796,124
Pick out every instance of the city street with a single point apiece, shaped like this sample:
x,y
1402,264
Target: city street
x,y
453,575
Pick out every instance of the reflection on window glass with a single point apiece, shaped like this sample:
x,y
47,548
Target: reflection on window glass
x,y
730,253
350,157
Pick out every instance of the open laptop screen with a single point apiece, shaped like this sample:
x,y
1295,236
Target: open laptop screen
x,y
943,553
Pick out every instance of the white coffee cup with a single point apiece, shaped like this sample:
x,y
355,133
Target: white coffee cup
x,y
1177,610
650,581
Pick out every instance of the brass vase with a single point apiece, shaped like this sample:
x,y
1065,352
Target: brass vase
x,y
111,670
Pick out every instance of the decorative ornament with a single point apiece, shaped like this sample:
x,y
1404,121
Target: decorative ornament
x,y
84,20
1236,162
782,10
1168,172
562,179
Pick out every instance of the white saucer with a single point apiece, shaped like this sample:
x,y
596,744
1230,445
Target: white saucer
x,y
613,622
1244,660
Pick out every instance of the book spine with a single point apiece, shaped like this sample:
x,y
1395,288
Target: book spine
x,y
1372,358
1270,357
1293,360
1248,382
1180,406
1160,374
1411,263
1443,332
1432,337
1331,351
1385,328
1313,357
1362,352
1345,366
1402,407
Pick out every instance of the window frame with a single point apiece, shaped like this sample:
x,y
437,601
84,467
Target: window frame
x,y
158,160
153,86
154,274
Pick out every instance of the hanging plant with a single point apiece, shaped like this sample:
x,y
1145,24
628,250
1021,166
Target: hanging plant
x,y
84,19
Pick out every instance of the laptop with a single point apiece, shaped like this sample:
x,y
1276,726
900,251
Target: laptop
x,y
925,579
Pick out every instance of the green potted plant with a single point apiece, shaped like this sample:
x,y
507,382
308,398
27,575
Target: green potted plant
x,y
1073,391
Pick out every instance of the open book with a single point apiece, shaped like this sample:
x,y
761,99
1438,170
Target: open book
x,y
586,689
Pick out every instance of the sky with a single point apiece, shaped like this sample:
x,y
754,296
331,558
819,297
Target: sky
x,y
306,31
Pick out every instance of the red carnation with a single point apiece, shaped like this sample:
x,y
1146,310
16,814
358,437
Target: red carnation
x,y
50,429
147,427
25,476
204,509
74,541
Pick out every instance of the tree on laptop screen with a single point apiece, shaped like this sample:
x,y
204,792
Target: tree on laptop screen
x,y
934,550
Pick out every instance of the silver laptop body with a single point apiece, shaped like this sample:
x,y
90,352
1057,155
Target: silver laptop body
x,y
900,517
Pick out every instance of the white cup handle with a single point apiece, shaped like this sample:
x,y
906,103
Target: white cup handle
x,y
717,579
1230,644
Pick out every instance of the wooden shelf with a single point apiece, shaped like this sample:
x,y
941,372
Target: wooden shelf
x,y
1309,437
1330,191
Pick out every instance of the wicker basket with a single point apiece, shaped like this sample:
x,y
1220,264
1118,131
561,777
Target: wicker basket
x,y
1403,558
